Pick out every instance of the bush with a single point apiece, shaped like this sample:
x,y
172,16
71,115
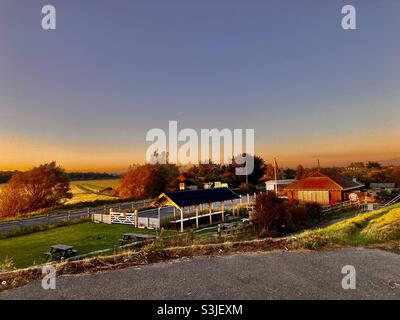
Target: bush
x,y
271,214
7,265
153,251
276,216
313,241
314,210
248,187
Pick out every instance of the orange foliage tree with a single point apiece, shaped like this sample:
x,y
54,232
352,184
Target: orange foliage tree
x,y
42,187
148,181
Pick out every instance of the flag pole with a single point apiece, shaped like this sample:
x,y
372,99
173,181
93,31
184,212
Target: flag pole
x,y
276,186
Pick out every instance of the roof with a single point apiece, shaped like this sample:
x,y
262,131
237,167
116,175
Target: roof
x,y
282,181
188,198
382,185
325,181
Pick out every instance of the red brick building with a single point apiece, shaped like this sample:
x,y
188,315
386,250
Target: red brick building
x,y
323,188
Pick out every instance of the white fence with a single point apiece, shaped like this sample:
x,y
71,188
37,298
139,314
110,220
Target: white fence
x,y
149,223
338,206
122,217
129,219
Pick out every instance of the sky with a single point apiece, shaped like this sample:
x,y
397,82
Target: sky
x,y
86,94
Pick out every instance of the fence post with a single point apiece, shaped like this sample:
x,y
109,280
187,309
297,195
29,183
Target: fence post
x,y
136,218
69,215
197,216
159,217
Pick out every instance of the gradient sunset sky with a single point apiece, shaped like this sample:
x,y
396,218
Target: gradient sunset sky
x,y
86,94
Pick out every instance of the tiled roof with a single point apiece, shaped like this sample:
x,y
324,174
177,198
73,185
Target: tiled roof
x,y
324,181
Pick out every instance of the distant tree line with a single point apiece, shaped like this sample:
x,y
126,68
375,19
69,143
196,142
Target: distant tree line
x,y
5,176
76,176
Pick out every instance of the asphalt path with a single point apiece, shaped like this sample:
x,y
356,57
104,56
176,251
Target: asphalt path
x,y
65,215
273,275
62,215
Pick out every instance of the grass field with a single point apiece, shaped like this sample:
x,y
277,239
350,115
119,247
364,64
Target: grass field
x,y
90,190
27,250
371,227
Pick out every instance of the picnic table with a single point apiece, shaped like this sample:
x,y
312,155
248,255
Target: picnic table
x,y
60,251
132,237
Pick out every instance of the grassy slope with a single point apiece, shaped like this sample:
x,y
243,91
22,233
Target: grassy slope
x,y
372,227
27,250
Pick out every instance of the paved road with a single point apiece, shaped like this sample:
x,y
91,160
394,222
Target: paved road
x,y
57,217
275,275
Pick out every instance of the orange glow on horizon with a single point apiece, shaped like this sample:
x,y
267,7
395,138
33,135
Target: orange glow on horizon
x,y
24,153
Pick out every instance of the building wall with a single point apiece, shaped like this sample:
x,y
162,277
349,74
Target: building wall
x,y
322,197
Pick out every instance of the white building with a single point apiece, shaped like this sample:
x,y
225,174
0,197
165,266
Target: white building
x,y
272,185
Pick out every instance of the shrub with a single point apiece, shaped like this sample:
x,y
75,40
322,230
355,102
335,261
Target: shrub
x,y
313,241
276,216
153,251
271,214
314,210
7,265
248,187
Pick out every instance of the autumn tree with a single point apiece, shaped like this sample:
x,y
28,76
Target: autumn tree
x,y
270,214
149,180
276,216
42,187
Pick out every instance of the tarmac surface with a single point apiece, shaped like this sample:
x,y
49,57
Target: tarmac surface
x,y
271,275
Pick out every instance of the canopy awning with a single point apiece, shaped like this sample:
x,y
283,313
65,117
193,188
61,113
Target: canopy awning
x,y
181,199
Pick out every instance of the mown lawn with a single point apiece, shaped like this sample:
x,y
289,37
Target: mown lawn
x,y
27,250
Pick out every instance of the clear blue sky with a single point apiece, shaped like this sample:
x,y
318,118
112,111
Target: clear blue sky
x,y
86,94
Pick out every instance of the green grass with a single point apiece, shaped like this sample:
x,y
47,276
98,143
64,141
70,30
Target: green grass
x,y
372,227
27,250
